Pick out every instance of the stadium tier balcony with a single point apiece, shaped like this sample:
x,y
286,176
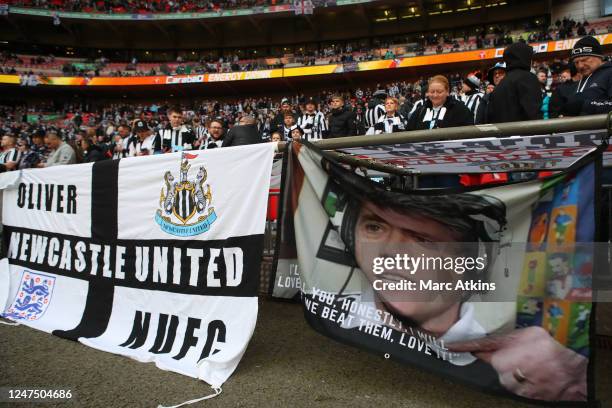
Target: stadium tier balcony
x,y
429,44
140,7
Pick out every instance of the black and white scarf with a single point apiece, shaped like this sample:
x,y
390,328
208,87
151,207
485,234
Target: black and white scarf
x,y
385,124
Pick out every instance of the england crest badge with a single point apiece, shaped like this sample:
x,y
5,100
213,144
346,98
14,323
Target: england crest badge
x,y
186,205
33,297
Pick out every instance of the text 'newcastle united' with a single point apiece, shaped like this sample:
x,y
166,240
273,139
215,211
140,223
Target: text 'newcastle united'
x,y
143,265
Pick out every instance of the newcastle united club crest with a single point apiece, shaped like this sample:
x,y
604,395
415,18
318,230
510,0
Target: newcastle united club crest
x,y
185,205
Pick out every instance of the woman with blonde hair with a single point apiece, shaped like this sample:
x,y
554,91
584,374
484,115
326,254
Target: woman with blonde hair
x,y
392,121
440,110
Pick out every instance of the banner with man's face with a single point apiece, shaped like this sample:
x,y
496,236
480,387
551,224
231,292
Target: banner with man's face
x,y
492,288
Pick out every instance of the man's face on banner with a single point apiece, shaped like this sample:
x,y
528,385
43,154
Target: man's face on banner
x,y
386,232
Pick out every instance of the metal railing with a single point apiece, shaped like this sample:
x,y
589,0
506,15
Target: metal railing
x,y
525,128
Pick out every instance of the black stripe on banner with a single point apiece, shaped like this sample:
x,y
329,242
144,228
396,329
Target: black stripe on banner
x,y
104,200
227,267
100,294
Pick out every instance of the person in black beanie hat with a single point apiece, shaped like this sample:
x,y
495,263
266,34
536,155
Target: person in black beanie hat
x,y
594,91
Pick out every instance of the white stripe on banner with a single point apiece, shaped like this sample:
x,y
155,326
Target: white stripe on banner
x,y
230,173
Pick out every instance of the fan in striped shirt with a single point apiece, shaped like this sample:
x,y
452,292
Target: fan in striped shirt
x,y
10,153
376,110
122,138
392,121
176,136
200,131
312,122
471,93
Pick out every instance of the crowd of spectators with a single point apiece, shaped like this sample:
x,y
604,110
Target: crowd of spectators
x,y
96,132
340,52
140,6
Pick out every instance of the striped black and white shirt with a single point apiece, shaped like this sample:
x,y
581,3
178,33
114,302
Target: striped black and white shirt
x,y
286,132
177,139
125,148
200,132
211,143
372,117
472,102
9,155
417,105
150,145
396,123
313,125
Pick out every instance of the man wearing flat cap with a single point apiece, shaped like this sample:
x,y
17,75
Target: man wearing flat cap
x,y
594,91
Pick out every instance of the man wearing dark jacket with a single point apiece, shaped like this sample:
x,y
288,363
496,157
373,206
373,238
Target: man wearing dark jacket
x,y
568,84
243,134
594,91
495,74
518,96
277,123
92,152
341,120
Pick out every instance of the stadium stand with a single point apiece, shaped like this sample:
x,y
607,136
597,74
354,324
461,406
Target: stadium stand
x,y
216,62
139,7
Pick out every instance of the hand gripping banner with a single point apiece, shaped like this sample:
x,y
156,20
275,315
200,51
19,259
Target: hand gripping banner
x,y
155,258
491,287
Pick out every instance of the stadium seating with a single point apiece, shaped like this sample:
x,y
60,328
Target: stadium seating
x,y
55,66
